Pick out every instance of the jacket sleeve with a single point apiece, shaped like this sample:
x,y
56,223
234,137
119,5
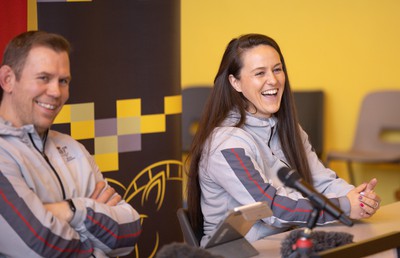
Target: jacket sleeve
x,y
28,229
115,230
236,163
325,180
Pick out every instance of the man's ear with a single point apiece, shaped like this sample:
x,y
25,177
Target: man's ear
x,y
235,83
7,77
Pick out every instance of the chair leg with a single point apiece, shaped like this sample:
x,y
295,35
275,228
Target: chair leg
x,y
351,172
397,194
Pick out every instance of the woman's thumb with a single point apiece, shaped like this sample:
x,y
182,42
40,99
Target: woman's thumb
x,y
361,188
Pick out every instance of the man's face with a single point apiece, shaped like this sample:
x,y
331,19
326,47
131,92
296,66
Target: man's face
x,y
42,90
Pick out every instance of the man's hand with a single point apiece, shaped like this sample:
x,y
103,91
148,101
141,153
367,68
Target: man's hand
x,y
60,210
108,196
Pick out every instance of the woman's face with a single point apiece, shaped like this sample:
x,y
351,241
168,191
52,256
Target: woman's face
x,y
262,80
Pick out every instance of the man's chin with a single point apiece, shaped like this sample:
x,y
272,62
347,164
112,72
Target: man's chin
x,y
43,127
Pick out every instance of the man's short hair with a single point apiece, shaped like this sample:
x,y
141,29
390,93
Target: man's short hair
x,y
17,50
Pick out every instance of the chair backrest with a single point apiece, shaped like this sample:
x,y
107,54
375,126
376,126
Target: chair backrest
x,y
193,101
379,113
191,237
310,110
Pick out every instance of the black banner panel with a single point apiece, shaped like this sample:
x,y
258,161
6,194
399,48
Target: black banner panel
x,y
125,102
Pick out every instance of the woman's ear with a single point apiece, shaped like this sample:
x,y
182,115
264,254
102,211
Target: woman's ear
x,y
235,83
7,77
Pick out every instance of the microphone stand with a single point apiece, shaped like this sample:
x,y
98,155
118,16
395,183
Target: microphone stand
x,y
303,246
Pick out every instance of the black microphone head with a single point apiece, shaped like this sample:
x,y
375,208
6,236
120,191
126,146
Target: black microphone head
x,y
321,241
288,176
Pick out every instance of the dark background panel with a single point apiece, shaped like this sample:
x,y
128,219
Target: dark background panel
x,y
124,49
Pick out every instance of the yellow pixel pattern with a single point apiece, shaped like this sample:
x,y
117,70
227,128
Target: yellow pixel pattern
x,y
116,135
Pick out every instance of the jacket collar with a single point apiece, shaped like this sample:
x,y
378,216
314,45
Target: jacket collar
x,y
251,120
6,128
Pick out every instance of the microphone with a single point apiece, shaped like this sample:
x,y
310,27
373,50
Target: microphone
x,y
321,241
292,179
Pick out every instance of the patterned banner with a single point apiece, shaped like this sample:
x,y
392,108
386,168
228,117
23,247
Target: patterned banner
x,y
125,101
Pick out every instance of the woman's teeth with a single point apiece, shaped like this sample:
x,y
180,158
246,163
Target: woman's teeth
x,y
270,92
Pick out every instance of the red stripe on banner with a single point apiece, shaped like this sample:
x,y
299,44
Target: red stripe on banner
x,y
13,20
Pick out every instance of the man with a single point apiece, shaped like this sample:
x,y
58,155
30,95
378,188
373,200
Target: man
x,y
54,201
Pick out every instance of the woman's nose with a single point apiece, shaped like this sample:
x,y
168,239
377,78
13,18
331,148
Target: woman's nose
x,y
271,79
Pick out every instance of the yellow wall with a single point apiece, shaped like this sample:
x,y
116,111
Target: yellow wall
x,y
347,48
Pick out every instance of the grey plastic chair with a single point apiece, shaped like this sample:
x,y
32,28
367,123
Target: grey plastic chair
x,y
380,113
310,111
190,237
193,101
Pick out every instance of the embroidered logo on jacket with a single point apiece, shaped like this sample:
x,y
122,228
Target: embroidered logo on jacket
x,y
64,153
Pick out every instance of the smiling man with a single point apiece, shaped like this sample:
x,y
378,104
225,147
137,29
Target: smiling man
x,y
38,92
54,201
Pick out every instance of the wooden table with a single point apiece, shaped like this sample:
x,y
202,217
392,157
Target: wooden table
x,y
385,221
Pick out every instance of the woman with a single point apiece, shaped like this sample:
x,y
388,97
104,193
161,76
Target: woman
x,y
249,131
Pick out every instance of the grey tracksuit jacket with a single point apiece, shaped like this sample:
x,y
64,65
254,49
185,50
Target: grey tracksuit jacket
x,y
239,166
34,172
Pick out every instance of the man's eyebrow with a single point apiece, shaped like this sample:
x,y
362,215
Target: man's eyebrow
x,y
44,73
68,77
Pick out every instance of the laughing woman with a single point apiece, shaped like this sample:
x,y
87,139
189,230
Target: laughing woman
x,y
249,131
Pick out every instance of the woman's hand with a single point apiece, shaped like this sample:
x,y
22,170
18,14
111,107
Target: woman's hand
x,y
364,201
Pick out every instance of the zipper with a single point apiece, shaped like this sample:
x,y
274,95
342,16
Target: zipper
x,y
43,154
269,145
270,137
